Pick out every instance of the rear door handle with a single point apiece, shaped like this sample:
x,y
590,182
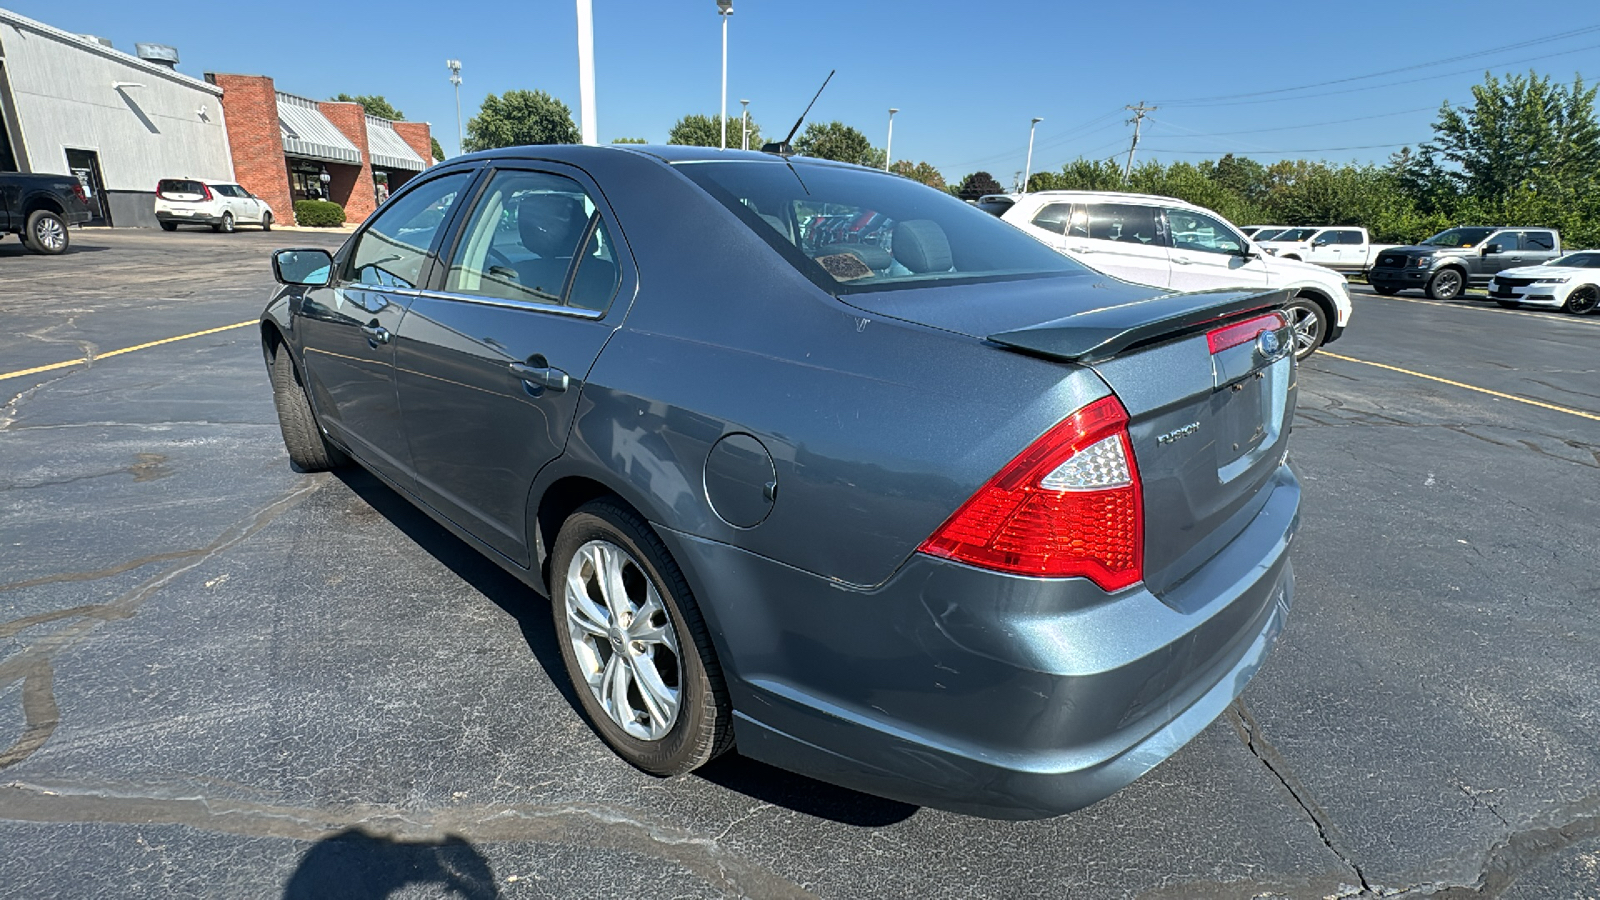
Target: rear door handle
x,y
543,376
1182,261
376,334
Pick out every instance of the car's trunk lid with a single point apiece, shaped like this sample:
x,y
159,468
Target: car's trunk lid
x,y
1208,428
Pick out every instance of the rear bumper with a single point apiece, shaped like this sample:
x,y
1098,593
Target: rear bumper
x,y
187,219
985,694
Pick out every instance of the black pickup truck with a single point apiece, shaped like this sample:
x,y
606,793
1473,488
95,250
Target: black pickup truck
x,y
1446,264
40,208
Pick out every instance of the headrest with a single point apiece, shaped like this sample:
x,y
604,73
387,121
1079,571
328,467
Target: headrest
x,y
551,224
921,246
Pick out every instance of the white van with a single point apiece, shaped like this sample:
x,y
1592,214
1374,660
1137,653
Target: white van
x,y
1167,243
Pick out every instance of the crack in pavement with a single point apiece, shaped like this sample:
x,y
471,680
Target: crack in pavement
x,y
1250,732
32,665
587,826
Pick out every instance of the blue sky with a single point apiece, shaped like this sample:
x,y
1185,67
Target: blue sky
x,y
967,77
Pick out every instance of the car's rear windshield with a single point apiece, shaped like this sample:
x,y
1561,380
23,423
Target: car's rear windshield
x,y
852,230
996,206
179,186
1458,237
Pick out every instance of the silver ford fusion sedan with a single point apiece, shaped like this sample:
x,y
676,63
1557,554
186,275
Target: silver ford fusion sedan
x,y
816,462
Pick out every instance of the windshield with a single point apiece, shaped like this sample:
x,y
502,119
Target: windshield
x,y
853,230
1579,261
1295,234
1267,234
1458,237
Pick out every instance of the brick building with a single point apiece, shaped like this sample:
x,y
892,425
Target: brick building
x,y
283,145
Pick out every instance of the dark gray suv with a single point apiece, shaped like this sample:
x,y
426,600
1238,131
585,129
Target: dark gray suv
x,y
1445,265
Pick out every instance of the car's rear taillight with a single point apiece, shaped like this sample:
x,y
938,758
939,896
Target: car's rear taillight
x,y
1243,332
1069,505
206,189
77,191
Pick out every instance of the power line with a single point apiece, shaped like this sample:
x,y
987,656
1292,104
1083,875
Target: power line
x,y
1401,112
1411,68
1390,84
1306,150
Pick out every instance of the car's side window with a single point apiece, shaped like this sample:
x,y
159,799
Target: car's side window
x,y
537,238
1054,217
1197,231
1350,238
1123,222
1507,241
1538,240
391,252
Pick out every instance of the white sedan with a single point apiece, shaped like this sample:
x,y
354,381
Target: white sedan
x,y
1571,283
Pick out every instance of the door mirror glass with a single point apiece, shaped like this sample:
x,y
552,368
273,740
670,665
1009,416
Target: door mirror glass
x,y
307,268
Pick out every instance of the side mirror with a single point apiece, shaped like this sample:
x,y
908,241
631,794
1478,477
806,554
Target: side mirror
x,y
1491,248
305,268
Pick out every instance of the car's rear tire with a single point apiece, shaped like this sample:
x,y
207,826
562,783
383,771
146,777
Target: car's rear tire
x,y
1310,325
46,233
1446,284
1386,290
635,646
226,225
302,437
1582,300
266,221
169,226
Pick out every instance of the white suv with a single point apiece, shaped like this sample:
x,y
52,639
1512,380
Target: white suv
x,y
221,204
1167,243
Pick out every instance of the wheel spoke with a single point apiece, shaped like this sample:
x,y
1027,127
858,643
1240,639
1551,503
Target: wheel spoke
x,y
643,629
612,587
614,690
581,608
660,701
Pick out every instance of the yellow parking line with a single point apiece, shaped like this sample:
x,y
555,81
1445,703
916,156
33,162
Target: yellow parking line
x,y
78,362
1471,387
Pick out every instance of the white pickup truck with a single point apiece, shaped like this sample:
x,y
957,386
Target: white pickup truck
x,y
1343,248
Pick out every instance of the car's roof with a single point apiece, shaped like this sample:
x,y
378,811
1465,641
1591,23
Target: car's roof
x,y
578,154
1112,196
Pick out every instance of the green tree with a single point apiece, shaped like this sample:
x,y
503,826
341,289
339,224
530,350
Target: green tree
x,y
703,131
374,104
839,142
438,151
520,117
1521,133
922,171
977,184
1079,175
627,140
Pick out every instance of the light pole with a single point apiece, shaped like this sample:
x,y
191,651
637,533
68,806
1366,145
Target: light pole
x,y
724,9
454,65
888,146
744,124
1027,171
587,126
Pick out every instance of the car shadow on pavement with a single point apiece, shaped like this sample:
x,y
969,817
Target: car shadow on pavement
x,y
15,248
357,865
757,780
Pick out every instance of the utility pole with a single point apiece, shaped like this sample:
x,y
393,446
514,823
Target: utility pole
x,y
454,65
1136,121
588,127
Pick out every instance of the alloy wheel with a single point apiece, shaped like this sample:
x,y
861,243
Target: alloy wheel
x,y
49,234
1583,301
1308,328
1446,285
623,640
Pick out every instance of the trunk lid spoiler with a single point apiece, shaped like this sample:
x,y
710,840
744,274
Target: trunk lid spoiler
x,y
1100,334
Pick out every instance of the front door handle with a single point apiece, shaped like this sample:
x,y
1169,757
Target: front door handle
x,y
1182,261
376,334
543,376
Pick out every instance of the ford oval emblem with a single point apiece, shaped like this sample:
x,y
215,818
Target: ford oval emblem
x,y
1268,345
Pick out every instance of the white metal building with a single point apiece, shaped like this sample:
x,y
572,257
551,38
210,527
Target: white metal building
x,y
72,105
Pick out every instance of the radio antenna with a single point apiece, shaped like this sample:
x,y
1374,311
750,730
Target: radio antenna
x,y
783,148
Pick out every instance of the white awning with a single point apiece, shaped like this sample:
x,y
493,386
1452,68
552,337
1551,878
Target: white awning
x,y
308,133
388,149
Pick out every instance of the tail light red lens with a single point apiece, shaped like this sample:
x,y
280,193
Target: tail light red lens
x,y
1244,332
77,189
1069,505
207,188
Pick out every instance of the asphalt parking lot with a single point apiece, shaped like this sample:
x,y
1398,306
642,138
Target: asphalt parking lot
x,y
223,678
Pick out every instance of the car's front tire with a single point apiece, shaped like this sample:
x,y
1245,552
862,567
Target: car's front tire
x,y
1310,325
1582,300
302,436
46,233
635,646
1446,284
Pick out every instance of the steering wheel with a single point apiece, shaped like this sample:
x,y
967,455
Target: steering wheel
x,y
499,264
